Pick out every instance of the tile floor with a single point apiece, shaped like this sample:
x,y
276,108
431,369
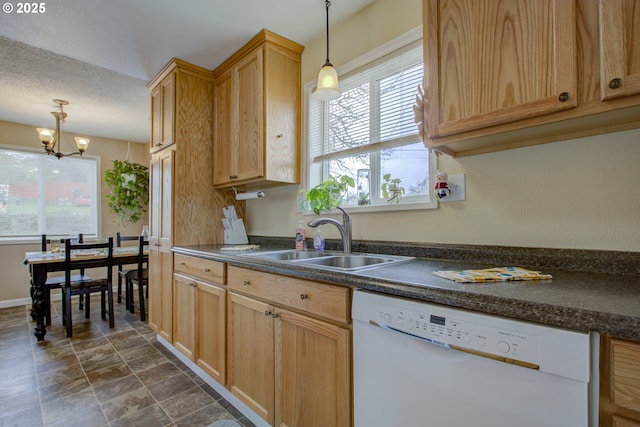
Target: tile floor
x,y
100,377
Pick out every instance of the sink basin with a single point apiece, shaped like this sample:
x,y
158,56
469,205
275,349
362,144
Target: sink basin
x,y
348,262
289,255
330,260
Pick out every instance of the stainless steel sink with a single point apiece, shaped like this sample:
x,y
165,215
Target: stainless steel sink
x,y
289,254
337,261
348,262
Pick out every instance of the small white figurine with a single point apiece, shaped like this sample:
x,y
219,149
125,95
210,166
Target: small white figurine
x,y
442,187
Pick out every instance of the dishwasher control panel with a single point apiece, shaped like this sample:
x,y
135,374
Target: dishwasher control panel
x,y
468,332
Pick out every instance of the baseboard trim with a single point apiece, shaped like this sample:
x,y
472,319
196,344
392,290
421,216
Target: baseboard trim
x,y
15,302
240,406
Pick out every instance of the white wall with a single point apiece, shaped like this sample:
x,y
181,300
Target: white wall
x,y
14,283
582,194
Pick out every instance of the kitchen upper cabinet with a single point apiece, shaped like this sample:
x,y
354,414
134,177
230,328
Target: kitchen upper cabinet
x,y
619,383
498,62
162,108
183,205
257,114
295,336
619,36
507,74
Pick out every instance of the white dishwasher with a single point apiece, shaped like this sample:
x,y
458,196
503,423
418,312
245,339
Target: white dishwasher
x,y
419,365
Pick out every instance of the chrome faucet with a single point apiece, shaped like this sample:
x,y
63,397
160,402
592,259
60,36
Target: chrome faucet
x,y
344,228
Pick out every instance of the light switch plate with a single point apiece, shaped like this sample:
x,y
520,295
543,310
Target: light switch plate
x,y
456,185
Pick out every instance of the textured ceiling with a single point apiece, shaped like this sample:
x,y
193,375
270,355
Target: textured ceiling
x,y
99,55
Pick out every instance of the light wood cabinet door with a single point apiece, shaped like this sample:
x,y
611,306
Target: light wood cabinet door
x,y
211,330
162,113
619,48
250,93
184,315
489,63
313,374
250,353
619,382
224,137
160,242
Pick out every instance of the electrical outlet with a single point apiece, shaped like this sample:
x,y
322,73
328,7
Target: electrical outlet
x,y
456,185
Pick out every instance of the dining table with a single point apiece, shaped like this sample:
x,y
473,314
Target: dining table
x,y
42,263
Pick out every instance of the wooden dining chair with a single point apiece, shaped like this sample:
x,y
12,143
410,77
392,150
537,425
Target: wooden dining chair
x,y
140,278
58,281
86,288
121,271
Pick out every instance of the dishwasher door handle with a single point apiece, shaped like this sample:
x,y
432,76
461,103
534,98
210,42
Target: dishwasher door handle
x,y
470,351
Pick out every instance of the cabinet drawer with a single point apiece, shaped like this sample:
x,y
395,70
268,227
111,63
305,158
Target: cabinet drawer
x,y
328,301
206,269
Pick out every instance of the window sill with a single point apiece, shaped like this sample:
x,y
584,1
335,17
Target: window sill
x,y
383,208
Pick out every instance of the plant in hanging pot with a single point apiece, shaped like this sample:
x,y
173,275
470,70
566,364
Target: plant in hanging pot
x,y
328,195
129,185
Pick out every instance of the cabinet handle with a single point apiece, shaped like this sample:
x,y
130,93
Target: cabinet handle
x,y
304,296
233,176
563,97
246,283
267,313
274,315
207,270
279,136
615,83
193,285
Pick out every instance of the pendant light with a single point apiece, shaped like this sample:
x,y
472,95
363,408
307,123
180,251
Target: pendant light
x,y
327,88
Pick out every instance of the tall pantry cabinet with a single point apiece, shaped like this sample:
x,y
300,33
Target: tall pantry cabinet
x,y
184,208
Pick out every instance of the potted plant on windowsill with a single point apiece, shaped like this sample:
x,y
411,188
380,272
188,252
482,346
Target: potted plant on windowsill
x,y
391,189
129,185
328,195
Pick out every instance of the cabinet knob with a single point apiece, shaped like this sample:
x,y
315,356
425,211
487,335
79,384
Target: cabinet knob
x,y
563,97
246,282
267,313
279,136
274,315
304,296
193,285
207,270
182,263
615,83
233,176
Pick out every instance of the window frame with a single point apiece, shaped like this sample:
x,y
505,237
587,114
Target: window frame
x,y
314,171
36,238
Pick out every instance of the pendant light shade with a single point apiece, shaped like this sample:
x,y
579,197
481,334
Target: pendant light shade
x,y
327,88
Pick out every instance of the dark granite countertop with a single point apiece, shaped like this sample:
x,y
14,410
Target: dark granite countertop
x,y
596,301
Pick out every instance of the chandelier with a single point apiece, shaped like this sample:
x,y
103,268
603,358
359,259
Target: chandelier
x,y
50,138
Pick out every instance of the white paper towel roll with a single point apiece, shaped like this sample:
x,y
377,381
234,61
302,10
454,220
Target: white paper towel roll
x,y
247,196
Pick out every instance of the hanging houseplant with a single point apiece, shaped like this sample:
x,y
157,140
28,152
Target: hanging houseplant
x,y
129,185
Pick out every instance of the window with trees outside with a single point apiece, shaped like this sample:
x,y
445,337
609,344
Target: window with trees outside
x,y
369,133
40,194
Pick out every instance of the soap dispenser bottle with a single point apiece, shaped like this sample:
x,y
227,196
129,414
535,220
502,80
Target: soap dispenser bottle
x,y
318,241
300,236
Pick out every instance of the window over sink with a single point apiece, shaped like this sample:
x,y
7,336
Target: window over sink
x,y
369,132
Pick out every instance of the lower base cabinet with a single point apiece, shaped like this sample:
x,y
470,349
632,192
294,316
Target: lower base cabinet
x,y
619,383
199,318
291,368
